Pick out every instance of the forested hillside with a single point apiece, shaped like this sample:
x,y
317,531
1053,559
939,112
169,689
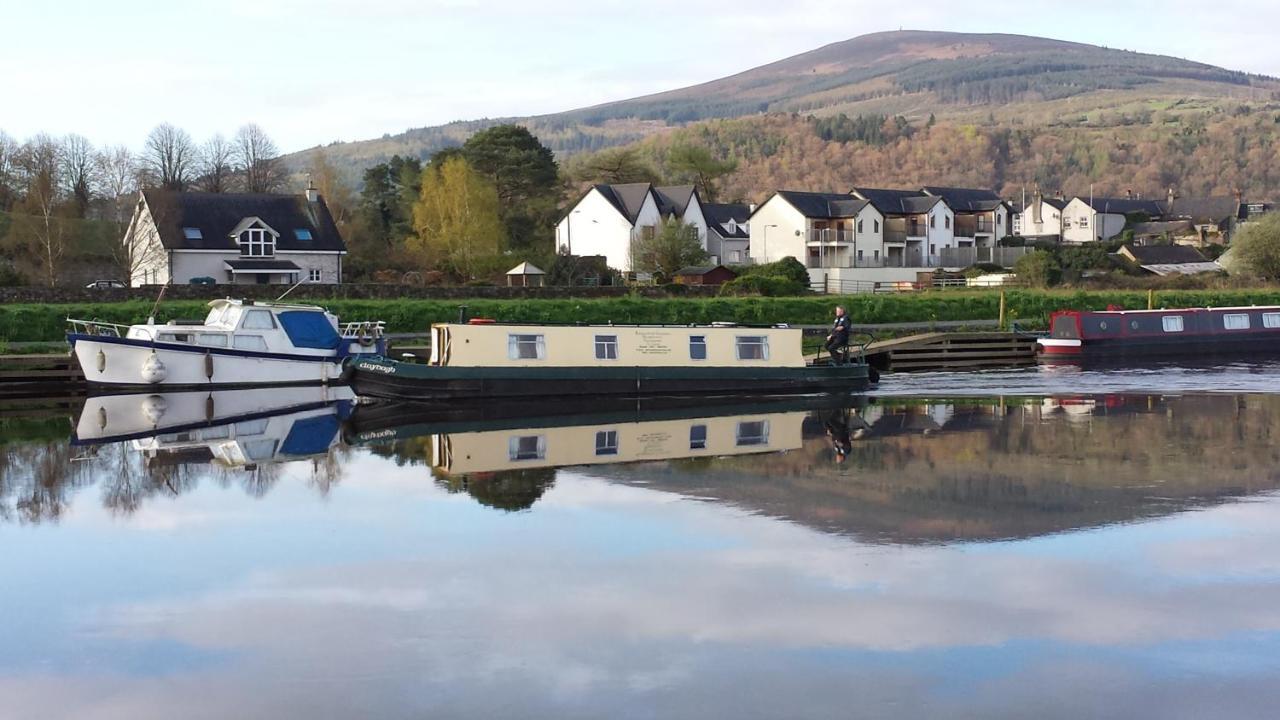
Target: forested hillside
x,y
968,78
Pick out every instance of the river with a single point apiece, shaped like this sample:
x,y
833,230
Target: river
x,y
1032,543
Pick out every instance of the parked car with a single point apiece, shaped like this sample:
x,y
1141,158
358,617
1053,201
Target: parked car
x,y
105,284
203,280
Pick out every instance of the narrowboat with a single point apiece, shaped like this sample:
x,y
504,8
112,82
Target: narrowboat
x,y
484,359
239,343
1082,335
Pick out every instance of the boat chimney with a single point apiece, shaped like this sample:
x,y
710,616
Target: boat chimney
x,y
462,314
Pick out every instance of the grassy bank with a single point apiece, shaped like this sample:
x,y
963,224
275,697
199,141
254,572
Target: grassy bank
x,y
39,323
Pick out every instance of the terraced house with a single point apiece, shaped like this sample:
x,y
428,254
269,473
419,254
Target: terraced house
x,y
607,219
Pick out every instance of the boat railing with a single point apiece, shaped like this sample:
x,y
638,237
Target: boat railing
x,y
98,327
364,328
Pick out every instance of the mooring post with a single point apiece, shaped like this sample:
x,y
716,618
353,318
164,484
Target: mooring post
x,y
1003,325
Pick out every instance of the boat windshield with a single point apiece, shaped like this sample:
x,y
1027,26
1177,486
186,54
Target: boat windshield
x,y
222,316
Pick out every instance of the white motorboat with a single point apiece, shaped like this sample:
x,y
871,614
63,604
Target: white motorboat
x,y
240,343
231,428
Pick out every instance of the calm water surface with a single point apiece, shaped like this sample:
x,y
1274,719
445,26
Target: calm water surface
x,y
1023,544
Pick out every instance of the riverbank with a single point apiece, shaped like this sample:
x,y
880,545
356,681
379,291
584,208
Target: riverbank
x,y
1028,308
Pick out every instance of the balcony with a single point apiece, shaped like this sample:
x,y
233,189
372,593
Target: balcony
x,y
830,236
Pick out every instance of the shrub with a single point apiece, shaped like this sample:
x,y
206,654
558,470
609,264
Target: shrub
x,y
788,267
1038,269
767,285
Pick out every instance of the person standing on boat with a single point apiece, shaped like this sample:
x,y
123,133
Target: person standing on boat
x,y
839,336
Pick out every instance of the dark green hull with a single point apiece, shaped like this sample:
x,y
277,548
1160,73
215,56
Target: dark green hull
x,y
410,381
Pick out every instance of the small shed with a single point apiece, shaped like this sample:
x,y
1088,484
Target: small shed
x,y
1169,259
526,274
704,275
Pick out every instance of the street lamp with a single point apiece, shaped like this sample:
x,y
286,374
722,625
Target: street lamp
x,y
765,242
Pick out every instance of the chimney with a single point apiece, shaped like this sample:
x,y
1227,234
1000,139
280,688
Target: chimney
x,y
1168,209
1128,194
1036,203
1239,196
751,207
312,194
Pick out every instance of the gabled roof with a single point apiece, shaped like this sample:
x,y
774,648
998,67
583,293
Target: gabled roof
x,y
1164,254
628,198
719,215
1124,206
674,199
1163,227
898,202
966,199
217,215
1054,203
823,205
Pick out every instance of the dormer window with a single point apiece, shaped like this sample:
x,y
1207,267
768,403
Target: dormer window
x,y
255,238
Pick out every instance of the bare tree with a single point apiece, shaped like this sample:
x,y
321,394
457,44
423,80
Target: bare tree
x,y
170,157
118,174
259,160
337,195
217,165
39,164
75,158
8,171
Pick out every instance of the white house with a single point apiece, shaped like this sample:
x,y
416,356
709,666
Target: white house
x,y
981,216
234,238
822,230
917,224
728,232
609,218
1041,219
1100,218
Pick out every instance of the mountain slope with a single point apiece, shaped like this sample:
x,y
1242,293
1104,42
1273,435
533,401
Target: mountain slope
x,y
913,73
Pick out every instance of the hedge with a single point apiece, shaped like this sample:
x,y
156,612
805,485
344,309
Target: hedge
x,y
42,323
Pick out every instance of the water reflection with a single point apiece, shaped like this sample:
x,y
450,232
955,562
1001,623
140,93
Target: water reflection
x,y
816,559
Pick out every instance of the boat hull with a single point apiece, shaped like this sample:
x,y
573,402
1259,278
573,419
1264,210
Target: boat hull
x,y
1173,348
390,379
128,364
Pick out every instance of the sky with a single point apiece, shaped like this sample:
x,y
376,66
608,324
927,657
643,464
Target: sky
x,y
316,71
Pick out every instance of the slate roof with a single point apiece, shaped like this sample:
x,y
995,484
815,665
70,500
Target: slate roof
x,y
898,202
718,216
1054,203
628,198
1207,210
823,205
966,199
1124,206
674,199
1163,227
215,215
1165,254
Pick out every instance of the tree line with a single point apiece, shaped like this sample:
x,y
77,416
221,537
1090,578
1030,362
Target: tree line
x,y
62,198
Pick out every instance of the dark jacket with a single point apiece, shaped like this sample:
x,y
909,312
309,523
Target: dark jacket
x,y
840,328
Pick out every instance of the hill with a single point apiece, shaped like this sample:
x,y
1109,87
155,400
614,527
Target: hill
x,y
915,74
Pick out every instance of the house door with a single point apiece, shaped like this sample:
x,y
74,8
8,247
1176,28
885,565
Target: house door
x,y
263,278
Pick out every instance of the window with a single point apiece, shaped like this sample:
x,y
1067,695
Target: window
x,y
1172,323
859,226
753,347
647,232
607,442
526,347
697,347
259,450
697,437
527,447
933,221
875,225
314,275
258,320
257,242
191,233
250,342
876,254
1083,221
735,256
252,427
948,222
211,340
1236,321
859,254
753,432
1271,320
606,347
302,234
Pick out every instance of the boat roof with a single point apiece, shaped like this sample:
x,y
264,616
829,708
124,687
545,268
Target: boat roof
x,y
685,326
1269,308
225,302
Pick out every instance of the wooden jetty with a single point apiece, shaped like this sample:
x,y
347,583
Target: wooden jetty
x,y
953,351
33,376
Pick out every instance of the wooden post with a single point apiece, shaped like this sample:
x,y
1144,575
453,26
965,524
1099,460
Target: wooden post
x,y
1002,324
1151,299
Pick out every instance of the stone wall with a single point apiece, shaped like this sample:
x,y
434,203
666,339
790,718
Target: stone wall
x,y
47,295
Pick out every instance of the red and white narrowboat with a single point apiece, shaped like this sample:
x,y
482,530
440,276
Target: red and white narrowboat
x,y
1076,335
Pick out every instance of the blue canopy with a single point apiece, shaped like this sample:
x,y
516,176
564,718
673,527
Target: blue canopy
x,y
309,329
311,436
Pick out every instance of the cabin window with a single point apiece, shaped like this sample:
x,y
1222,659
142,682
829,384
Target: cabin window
x,y
209,340
259,450
258,320
697,437
175,337
697,347
606,347
1271,320
1172,323
250,342
252,427
526,347
1236,321
607,442
753,432
753,347
527,447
